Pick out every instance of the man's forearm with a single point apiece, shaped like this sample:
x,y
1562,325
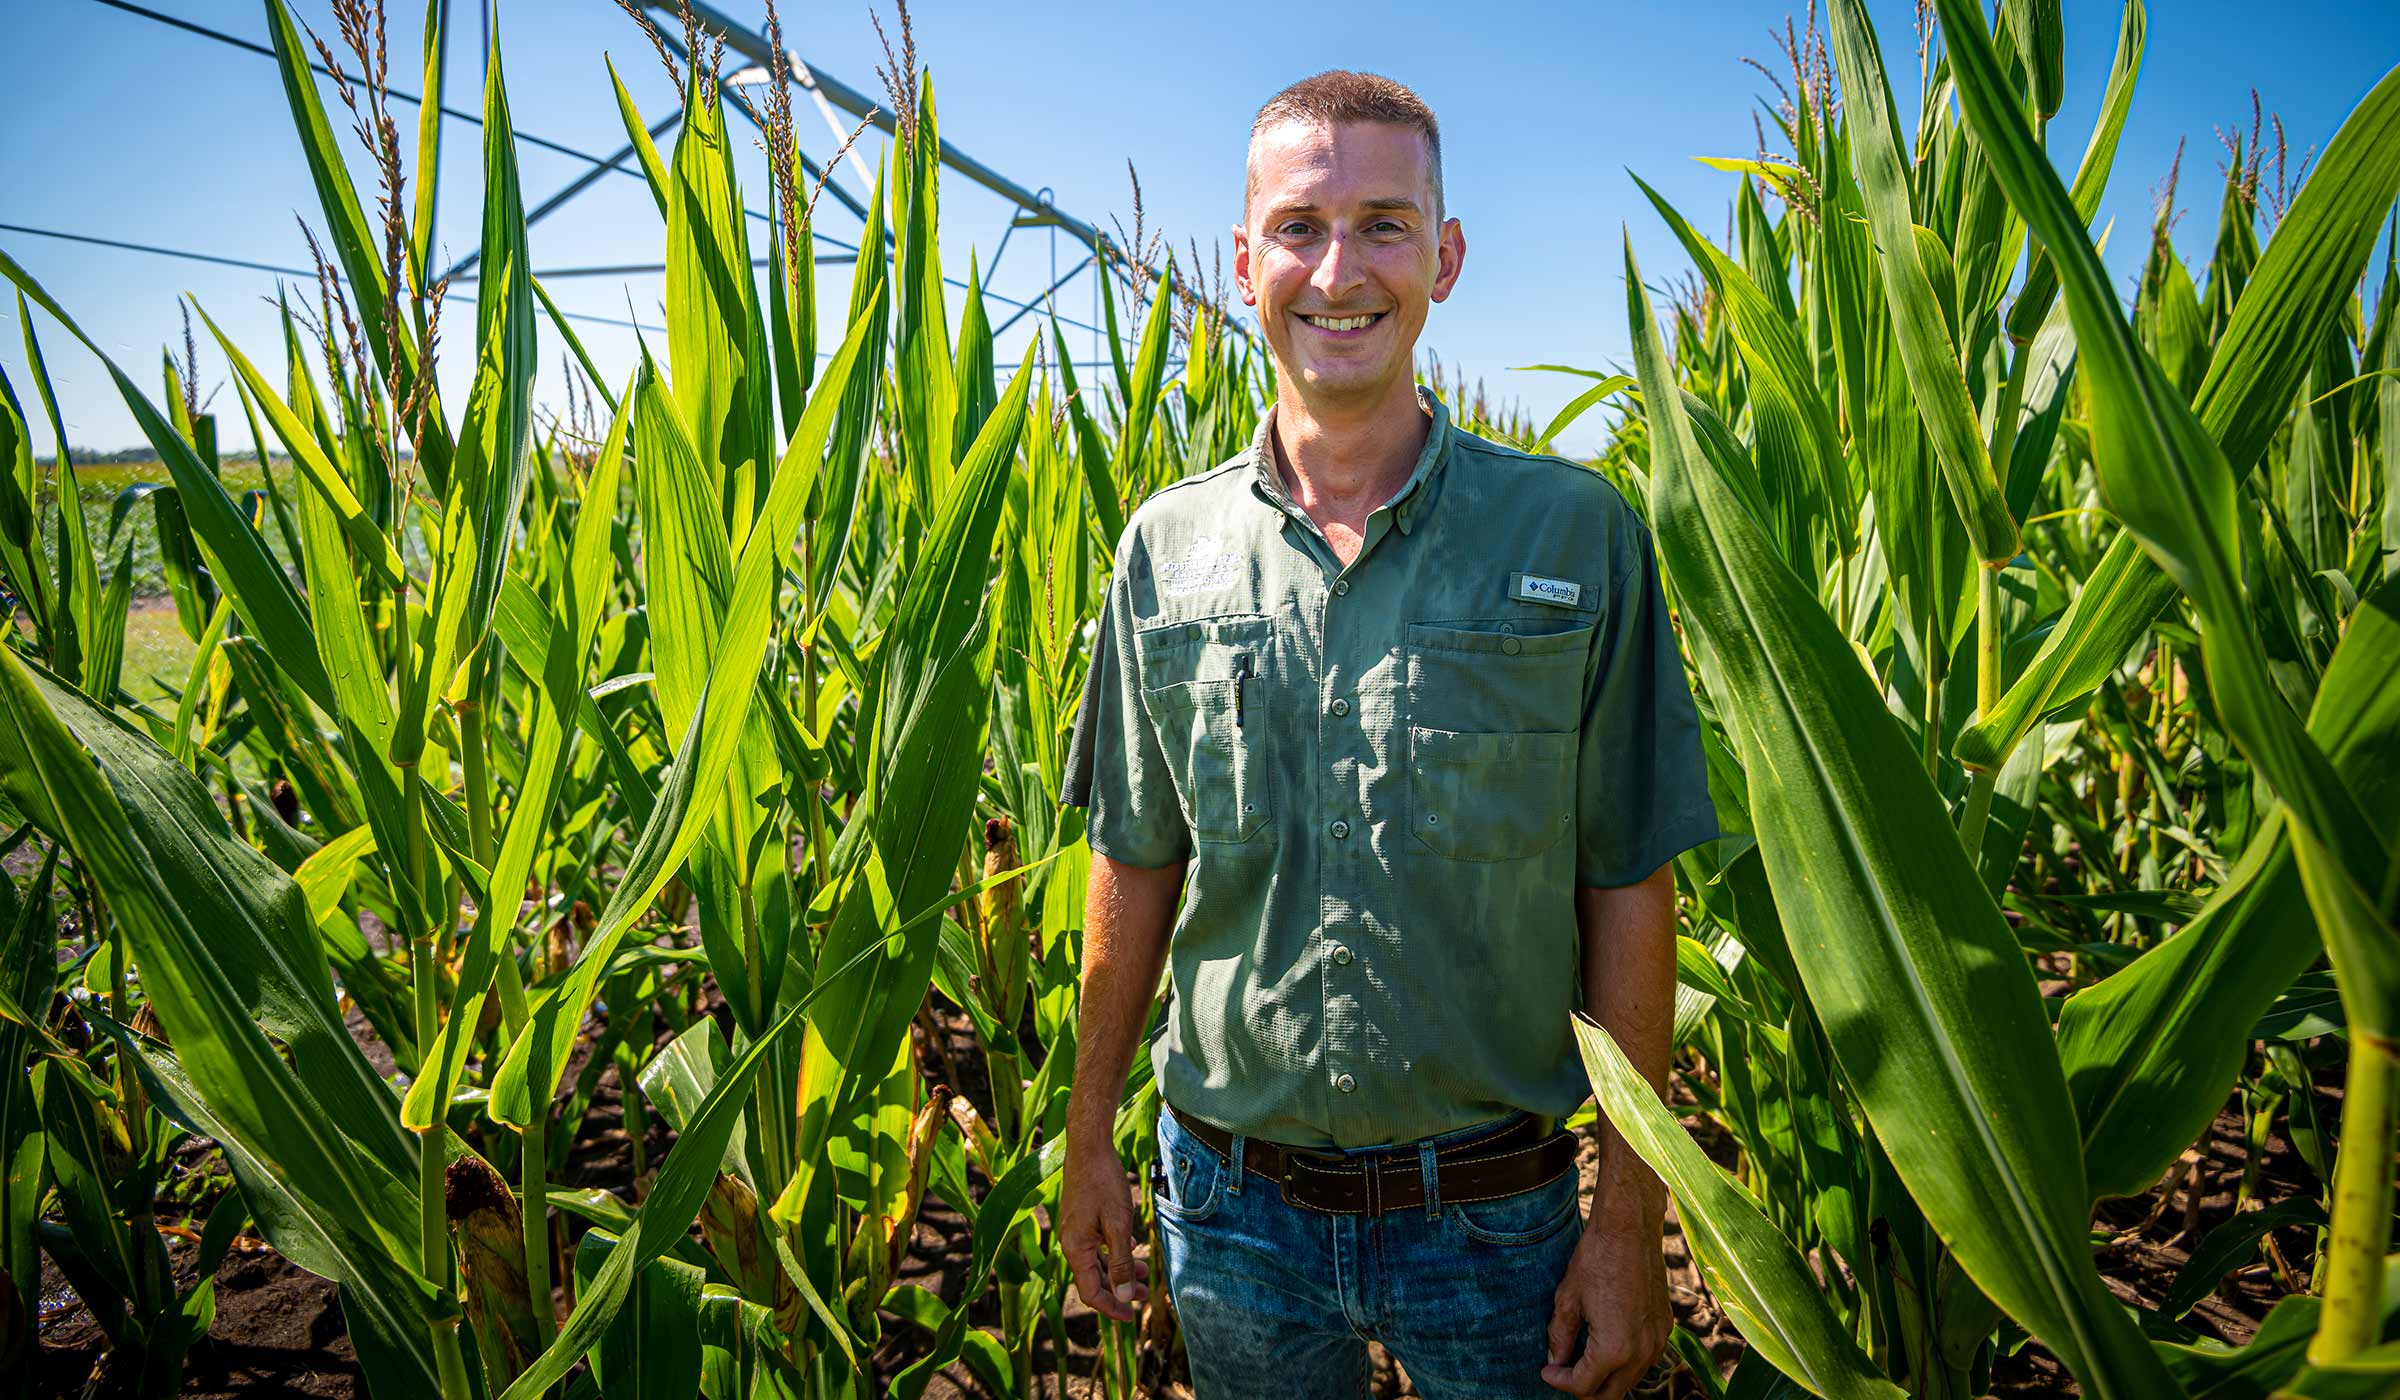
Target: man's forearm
x,y
1629,987
1127,919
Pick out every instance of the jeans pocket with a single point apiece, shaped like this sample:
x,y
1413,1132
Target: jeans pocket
x,y
1527,1218
1195,1184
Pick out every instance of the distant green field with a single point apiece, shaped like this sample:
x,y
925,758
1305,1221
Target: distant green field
x,y
156,651
102,485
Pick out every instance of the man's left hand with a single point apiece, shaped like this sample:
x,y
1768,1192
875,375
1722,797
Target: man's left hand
x,y
1610,1318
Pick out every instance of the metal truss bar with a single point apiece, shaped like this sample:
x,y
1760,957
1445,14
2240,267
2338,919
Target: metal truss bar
x,y
749,44
1044,295
752,46
98,242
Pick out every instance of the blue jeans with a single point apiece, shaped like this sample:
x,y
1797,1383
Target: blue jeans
x,y
1278,1301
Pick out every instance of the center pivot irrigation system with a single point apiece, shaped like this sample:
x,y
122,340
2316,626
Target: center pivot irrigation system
x,y
1088,251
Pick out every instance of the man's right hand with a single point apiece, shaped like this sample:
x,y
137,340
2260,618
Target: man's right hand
x,y
1095,1226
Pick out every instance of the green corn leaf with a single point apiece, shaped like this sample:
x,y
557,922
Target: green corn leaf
x,y
637,135
1927,999
429,143
2174,489
79,1130
2387,413
2308,273
82,619
2040,291
503,314
356,241
237,557
1149,380
558,322
974,373
932,716
560,684
1578,406
1926,350
21,561
845,472
2151,1051
792,344
1100,482
716,342
651,1349
169,877
921,376
1791,416
529,1074
668,1211
260,943
373,547
687,564
1750,1267
104,662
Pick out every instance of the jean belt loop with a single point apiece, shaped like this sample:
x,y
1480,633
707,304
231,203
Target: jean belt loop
x,y
1234,1169
1433,1179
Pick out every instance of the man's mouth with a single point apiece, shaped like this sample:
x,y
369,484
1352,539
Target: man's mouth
x,y
1343,323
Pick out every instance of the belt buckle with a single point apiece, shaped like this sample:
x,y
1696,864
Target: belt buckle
x,y
1286,1175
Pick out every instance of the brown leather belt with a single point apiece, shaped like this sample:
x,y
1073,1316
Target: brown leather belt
x,y
1508,1162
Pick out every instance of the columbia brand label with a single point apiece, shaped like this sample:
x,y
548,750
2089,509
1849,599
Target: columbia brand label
x,y
1210,564
1534,588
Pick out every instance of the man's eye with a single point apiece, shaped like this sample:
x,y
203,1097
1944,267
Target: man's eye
x,y
1293,229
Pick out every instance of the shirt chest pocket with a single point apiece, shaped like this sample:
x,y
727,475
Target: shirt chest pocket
x,y
1494,711
1202,688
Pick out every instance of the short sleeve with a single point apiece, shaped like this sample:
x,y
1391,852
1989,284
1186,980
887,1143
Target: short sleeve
x,y
1115,769
1642,787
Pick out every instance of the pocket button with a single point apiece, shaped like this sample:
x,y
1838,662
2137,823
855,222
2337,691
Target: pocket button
x,y
1340,829
1511,646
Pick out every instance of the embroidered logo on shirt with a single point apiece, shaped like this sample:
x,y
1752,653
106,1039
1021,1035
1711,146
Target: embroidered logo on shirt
x,y
1534,588
1210,564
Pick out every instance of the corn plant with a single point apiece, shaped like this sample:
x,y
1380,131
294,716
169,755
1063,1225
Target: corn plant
x,y
1872,468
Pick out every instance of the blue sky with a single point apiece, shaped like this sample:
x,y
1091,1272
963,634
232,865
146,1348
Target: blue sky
x,y
147,134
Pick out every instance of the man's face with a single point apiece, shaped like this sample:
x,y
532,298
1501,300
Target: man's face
x,y
1341,250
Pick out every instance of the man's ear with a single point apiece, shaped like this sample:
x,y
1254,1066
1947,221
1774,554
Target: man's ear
x,y
1241,265
1450,257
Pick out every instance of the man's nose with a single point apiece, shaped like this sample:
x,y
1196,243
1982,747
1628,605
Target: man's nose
x,y
1338,272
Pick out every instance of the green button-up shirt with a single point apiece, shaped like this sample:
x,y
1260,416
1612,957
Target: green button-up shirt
x,y
1388,779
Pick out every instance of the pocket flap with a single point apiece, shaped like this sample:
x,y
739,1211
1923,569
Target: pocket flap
x,y
1450,746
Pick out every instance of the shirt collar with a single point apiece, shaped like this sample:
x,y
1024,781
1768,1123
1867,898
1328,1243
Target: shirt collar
x,y
1415,496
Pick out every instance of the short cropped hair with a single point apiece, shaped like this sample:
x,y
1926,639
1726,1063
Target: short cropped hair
x,y
1339,95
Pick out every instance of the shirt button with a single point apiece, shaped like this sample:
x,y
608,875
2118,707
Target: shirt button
x,y
1340,708
1345,1084
1340,829
1341,953
1511,646
1341,587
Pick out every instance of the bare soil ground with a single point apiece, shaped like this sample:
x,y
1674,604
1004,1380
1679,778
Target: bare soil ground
x,y
279,1330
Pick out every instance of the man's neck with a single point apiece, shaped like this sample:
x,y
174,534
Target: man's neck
x,y
1342,460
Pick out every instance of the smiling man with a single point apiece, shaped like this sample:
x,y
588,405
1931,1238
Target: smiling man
x,y
1397,713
